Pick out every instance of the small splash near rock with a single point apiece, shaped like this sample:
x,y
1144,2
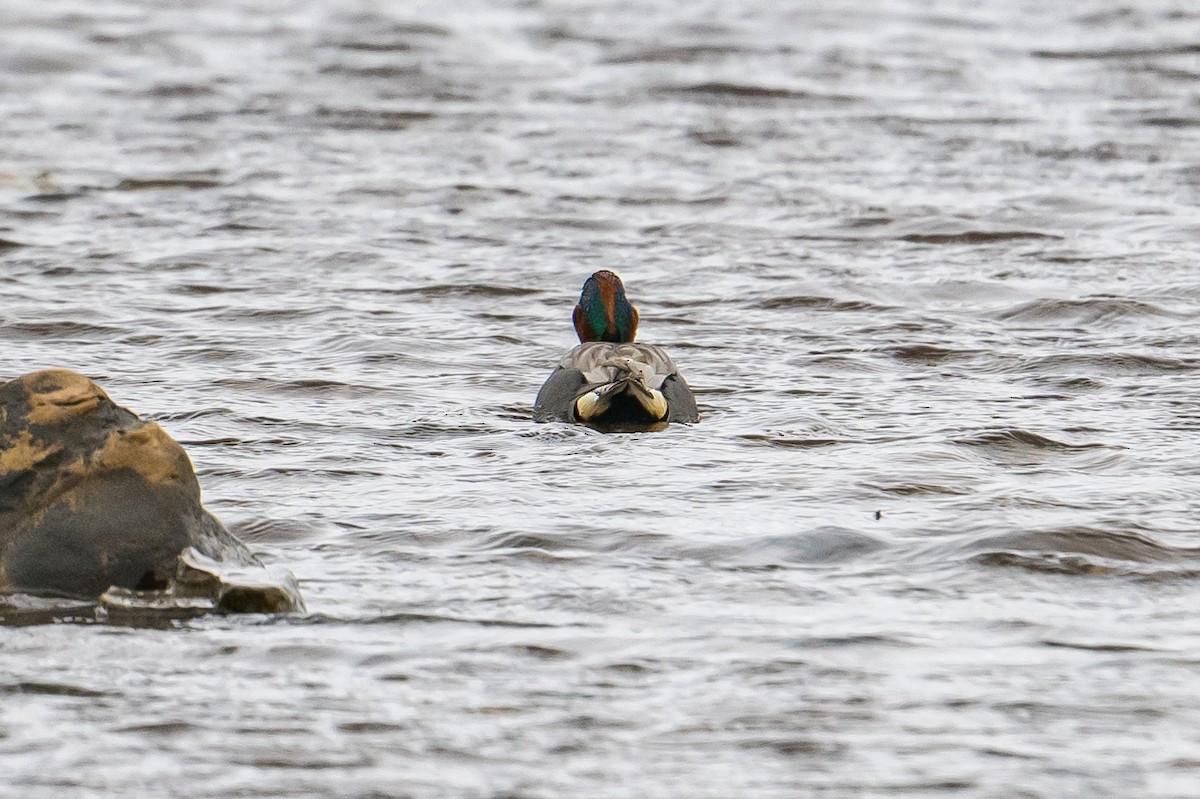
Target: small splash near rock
x,y
204,585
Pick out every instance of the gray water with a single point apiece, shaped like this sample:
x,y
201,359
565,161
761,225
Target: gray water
x,y
929,267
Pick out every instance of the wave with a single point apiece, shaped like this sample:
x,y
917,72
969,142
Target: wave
x,y
724,91
974,236
822,545
1015,438
1086,311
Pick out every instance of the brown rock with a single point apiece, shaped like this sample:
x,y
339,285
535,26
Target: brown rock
x,y
92,497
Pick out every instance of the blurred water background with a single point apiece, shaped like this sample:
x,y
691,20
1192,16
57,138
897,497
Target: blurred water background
x,y
931,268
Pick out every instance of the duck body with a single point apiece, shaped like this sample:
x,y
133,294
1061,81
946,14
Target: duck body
x,y
609,382
611,386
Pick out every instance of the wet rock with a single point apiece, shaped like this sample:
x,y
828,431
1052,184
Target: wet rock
x,y
94,501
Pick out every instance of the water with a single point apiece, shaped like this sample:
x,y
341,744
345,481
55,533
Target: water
x,y
930,269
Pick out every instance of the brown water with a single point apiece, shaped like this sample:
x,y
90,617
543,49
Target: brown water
x,y
930,267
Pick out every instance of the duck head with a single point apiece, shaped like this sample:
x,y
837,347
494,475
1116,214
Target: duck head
x,y
603,312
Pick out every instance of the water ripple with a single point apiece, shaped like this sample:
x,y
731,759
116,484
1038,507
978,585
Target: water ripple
x,y
931,271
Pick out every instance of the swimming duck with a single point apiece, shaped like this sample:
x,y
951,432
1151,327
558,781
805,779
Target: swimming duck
x,y
609,382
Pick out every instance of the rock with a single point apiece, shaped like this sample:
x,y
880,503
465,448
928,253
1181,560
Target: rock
x,y
94,501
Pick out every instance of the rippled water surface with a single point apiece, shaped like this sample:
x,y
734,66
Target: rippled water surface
x,y
931,268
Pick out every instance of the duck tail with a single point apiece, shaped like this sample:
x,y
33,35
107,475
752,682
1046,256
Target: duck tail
x,y
596,399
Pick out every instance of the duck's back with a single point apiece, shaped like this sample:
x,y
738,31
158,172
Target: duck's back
x,y
597,364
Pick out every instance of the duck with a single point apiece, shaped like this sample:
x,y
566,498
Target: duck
x,y
610,382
